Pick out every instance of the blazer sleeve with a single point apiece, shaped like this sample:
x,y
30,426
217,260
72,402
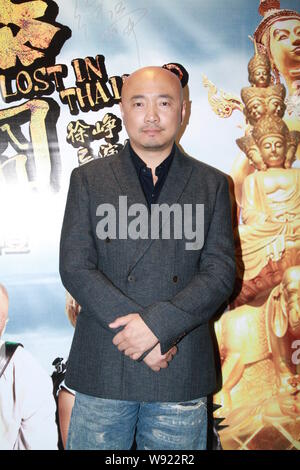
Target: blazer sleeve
x,y
78,261
213,284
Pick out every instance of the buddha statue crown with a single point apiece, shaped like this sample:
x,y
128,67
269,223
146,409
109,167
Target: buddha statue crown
x,y
250,93
259,60
276,91
270,125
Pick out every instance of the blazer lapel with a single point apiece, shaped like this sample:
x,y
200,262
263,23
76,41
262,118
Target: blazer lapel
x,y
125,173
177,178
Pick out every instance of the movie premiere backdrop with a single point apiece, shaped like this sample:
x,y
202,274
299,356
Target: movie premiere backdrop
x,y
62,65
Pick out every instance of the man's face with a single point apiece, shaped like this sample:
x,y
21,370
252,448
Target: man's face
x,y
273,151
285,44
152,109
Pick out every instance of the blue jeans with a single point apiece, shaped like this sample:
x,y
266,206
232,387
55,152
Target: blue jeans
x,y
102,424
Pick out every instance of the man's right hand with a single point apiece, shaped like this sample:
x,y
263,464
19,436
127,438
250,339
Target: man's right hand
x,y
156,361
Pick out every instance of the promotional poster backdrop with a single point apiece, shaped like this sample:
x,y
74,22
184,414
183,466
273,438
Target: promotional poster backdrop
x,y
62,64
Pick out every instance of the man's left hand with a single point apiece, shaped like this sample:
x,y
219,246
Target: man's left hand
x,y
135,338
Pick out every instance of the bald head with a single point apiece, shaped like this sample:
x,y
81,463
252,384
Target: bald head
x,y
153,110
3,308
152,74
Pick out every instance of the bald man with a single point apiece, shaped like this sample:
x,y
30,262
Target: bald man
x,y
142,360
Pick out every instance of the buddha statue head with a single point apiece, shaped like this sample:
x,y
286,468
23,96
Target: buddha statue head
x,y
259,70
248,145
292,145
272,135
274,100
255,106
279,35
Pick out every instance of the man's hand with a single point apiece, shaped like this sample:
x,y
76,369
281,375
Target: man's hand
x,y
135,338
156,361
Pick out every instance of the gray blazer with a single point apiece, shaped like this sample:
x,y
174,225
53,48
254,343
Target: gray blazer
x,y
176,291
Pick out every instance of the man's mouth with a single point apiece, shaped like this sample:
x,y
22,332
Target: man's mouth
x,y
150,131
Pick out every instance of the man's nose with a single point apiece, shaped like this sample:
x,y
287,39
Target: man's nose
x,y
151,114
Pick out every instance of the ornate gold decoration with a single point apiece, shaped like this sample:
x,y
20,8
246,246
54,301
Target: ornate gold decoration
x,y
224,104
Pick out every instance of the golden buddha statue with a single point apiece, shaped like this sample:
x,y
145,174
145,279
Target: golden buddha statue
x,y
256,337
262,97
262,101
260,380
248,145
279,36
270,200
275,97
259,70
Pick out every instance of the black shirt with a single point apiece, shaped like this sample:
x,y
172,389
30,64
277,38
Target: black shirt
x,y
144,173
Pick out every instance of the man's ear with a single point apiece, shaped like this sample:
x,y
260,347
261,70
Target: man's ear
x,y
183,110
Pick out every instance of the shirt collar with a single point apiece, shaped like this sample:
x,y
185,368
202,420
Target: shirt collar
x,y
139,163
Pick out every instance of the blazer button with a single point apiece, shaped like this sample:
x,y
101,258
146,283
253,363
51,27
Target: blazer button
x,y
107,239
175,278
131,278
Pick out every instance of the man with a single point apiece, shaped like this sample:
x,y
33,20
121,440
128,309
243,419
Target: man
x,y
27,406
142,358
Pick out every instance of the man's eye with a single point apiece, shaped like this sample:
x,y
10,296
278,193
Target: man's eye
x,y
165,103
138,104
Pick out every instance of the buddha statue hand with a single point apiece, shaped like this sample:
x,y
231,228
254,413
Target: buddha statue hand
x,y
289,396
